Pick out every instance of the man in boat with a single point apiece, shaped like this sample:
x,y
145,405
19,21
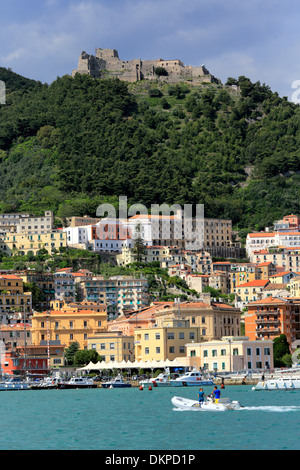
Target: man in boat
x,y
201,396
216,394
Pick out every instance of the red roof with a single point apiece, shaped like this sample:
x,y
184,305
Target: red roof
x,y
261,234
256,283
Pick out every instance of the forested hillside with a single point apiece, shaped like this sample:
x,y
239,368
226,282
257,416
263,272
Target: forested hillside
x,y
79,142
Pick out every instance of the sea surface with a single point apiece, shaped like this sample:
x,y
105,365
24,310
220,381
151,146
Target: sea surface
x,y
133,419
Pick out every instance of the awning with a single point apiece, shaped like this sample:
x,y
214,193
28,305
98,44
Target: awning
x,y
133,365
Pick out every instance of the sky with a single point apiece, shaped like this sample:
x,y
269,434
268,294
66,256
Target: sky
x,y
260,39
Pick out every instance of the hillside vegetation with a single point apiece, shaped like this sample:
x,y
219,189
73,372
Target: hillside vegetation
x,y
79,142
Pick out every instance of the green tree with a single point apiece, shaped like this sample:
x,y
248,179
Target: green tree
x,y
280,349
85,356
71,351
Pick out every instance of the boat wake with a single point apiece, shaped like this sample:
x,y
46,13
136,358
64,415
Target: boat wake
x,y
268,409
272,408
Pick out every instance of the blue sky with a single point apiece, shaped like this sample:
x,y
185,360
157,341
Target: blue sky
x,y
42,39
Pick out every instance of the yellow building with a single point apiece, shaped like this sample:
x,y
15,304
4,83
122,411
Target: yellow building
x,y
249,292
166,341
112,346
23,242
214,319
294,286
242,273
12,295
68,325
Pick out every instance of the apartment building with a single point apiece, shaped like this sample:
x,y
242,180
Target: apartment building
x,y
288,223
249,292
214,319
197,282
10,222
68,325
219,280
121,293
112,346
36,225
64,286
294,286
12,295
270,317
166,341
45,282
204,262
24,242
231,354
288,258
266,240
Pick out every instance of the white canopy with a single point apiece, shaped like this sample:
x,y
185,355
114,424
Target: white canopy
x,y
132,365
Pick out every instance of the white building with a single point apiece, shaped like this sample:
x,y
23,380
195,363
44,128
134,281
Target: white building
x,y
111,245
231,354
265,240
64,286
78,235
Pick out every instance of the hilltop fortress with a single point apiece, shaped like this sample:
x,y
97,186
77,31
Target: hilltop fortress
x,y
107,64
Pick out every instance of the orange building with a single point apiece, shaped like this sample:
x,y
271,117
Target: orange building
x,y
271,317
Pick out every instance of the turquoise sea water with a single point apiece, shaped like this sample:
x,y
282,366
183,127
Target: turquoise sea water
x,y
130,419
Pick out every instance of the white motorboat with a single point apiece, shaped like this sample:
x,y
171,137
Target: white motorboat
x,y
15,383
47,383
281,383
77,382
162,380
117,382
222,404
192,378
288,379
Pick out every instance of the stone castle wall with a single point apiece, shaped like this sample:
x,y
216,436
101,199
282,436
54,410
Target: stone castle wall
x,y
106,63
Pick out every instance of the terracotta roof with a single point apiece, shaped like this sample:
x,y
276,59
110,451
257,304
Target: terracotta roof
x,y
10,276
255,283
269,300
282,274
266,263
261,234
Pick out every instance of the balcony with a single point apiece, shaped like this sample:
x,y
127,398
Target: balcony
x,y
270,331
266,321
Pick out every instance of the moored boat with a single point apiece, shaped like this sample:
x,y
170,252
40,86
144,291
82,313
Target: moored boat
x,y
117,382
14,383
192,378
77,382
162,380
285,380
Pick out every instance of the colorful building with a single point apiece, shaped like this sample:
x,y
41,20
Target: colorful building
x,y
68,325
112,346
270,317
12,295
249,292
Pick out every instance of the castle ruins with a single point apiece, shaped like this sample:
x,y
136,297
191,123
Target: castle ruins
x,y
107,64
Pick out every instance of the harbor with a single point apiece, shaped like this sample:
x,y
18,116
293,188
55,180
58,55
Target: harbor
x,y
109,419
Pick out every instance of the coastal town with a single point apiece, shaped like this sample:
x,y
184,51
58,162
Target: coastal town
x,y
217,309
